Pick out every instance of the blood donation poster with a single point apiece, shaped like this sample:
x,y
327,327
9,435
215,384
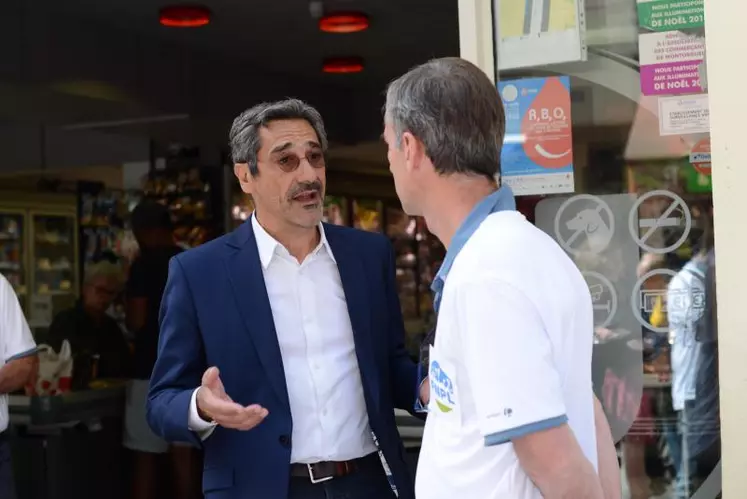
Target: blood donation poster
x,y
537,155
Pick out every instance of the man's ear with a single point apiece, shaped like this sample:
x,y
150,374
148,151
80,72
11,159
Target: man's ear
x,y
413,149
241,171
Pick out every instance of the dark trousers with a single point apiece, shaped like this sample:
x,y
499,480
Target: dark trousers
x,y
7,490
368,482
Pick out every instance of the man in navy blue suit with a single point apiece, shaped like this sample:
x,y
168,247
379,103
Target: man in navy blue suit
x,y
281,344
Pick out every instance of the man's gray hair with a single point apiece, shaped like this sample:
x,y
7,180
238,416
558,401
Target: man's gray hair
x,y
244,134
104,269
454,109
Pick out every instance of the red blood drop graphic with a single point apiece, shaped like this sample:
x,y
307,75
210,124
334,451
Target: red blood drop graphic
x,y
547,127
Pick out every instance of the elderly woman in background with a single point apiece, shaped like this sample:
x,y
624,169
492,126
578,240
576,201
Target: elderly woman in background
x,y
96,340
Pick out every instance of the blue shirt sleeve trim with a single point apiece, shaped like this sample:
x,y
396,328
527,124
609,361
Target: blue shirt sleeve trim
x,y
503,437
27,353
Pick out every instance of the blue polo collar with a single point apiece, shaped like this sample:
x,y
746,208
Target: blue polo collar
x,y
500,200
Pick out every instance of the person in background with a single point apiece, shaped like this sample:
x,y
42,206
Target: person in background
x,y
690,303
96,340
152,226
512,413
18,365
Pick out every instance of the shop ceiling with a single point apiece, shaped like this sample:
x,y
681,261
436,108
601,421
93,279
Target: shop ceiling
x,y
86,66
76,75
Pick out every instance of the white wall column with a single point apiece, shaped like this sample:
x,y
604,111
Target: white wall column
x,y
476,34
725,40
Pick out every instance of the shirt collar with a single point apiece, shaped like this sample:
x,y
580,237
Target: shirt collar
x,y
500,200
267,245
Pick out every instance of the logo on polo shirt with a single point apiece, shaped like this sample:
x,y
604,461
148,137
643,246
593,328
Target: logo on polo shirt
x,y
442,387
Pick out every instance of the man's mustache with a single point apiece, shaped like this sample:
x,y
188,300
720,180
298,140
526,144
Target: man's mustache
x,y
315,186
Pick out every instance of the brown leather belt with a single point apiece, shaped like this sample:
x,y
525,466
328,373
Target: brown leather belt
x,y
327,470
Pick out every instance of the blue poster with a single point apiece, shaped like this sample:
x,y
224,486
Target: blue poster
x,y
537,155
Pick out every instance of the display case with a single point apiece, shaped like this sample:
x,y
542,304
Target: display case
x,y
39,252
418,255
190,195
54,274
336,210
105,225
401,229
368,214
13,255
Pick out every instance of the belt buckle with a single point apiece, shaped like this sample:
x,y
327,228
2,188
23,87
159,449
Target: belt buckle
x,y
314,479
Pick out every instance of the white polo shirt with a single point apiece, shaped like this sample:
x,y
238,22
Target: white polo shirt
x,y
15,337
512,356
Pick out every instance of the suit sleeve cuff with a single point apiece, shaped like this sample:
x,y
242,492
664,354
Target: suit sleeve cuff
x,y
419,406
202,428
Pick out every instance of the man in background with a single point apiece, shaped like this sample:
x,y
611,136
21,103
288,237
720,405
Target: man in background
x,y
18,364
153,229
512,414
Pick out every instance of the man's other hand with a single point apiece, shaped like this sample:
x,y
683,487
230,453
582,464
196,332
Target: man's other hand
x,y
214,405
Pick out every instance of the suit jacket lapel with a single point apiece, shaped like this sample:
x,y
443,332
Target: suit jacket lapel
x,y
356,288
245,273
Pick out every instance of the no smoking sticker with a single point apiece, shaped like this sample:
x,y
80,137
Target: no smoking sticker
x,y
675,215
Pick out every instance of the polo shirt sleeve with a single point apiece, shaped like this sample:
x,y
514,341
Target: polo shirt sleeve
x,y
16,340
508,361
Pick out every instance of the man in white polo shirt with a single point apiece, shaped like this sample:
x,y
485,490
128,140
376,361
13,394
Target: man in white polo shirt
x,y
511,412
17,365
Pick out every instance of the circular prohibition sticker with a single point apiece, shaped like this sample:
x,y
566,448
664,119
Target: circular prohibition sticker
x,y
644,299
587,222
662,221
597,291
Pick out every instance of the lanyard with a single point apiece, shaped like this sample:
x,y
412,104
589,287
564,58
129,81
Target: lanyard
x,y
500,200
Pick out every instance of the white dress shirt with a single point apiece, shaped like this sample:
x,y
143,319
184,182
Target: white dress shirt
x,y
330,420
15,338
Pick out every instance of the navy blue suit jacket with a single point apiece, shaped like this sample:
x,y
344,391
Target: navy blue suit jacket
x,y
215,312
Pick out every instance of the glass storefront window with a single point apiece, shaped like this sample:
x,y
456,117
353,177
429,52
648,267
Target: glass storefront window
x,y
608,150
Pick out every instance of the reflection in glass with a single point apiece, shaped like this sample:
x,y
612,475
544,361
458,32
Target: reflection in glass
x,y
639,227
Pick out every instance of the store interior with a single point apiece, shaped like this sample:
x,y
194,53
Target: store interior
x,y
100,108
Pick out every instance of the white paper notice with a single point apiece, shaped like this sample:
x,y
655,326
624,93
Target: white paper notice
x,y
684,115
40,314
533,33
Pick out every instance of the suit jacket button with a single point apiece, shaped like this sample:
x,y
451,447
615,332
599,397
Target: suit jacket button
x,y
285,440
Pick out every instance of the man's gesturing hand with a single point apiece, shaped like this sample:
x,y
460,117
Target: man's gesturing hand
x,y
214,405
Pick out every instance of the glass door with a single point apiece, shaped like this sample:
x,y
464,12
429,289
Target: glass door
x,y
55,276
13,252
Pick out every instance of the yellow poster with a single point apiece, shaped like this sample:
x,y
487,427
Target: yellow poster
x,y
539,32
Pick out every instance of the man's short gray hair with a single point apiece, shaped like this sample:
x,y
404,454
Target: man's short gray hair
x,y
454,109
244,134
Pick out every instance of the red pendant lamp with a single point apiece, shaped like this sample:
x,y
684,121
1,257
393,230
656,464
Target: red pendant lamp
x,y
344,22
184,16
343,65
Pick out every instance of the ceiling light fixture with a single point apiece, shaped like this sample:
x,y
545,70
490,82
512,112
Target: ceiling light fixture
x,y
343,65
344,22
184,16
